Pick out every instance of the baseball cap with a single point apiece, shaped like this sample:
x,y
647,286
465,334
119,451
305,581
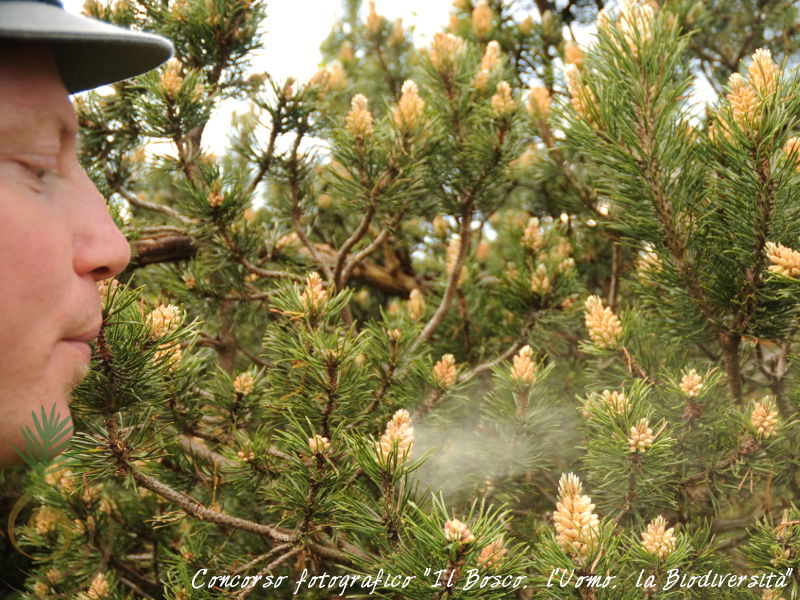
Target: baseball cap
x,y
88,52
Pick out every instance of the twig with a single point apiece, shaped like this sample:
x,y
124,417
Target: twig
x,y
452,279
247,566
121,452
369,249
253,357
267,273
197,448
266,160
141,203
747,446
355,237
268,569
291,168
635,368
509,352
134,587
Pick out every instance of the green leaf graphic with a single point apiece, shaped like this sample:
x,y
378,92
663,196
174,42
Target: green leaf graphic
x,y
51,438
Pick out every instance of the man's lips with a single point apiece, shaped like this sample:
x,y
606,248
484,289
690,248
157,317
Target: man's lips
x,y
87,335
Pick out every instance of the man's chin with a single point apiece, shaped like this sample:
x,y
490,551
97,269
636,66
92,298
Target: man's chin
x,y
77,376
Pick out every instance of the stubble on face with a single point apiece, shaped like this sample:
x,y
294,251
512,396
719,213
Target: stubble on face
x,y
74,381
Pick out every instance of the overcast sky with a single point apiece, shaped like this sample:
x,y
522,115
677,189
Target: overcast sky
x,y
294,30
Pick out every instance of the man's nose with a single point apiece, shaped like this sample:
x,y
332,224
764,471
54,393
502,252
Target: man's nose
x,y
100,248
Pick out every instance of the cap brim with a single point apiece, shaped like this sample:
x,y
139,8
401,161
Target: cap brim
x,y
88,52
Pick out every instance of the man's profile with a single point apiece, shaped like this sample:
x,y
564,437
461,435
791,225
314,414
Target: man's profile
x,y
57,238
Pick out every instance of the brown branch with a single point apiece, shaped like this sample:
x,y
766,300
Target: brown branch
x,y
162,249
247,566
141,203
587,195
431,401
452,278
355,237
271,274
195,447
294,188
630,492
616,268
253,357
731,342
268,569
154,230
753,278
748,446
384,67
508,353
369,249
388,377
391,281
237,255
121,453
439,393
266,160
134,588
634,368
197,510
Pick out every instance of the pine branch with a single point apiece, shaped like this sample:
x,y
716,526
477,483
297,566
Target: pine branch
x,y
265,162
240,258
507,354
258,559
194,447
436,395
753,276
387,75
141,203
294,188
121,454
634,368
355,237
134,588
268,569
161,249
587,196
386,380
253,357
748,446
366,251
630,492
430,402
452,278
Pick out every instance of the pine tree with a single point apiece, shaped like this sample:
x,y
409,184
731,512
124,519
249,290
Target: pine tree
x,y
502,314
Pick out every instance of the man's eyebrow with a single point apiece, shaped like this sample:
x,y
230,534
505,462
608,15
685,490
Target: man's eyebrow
x,y
31,127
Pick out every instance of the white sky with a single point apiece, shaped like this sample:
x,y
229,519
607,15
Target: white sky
x,y
294,30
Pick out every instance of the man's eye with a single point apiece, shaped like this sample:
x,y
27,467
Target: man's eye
x,y
38,171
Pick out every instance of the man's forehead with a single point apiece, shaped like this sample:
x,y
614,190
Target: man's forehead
x,y
32,94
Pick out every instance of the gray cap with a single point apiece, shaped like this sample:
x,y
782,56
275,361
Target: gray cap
x,y
88,52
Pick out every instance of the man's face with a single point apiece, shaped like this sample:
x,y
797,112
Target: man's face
x,y
57,240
